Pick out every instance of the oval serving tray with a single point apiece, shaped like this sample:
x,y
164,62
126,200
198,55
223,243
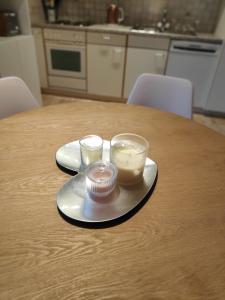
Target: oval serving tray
x,y
74,202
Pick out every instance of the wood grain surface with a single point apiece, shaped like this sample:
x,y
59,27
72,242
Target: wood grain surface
x,y
172,248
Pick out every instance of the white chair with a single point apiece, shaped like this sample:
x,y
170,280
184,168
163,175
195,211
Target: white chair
x,y
164,92
15,97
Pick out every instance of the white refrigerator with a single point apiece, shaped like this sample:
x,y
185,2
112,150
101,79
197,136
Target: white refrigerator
x,y
18,58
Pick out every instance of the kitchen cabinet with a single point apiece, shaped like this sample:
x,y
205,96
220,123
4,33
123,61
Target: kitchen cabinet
x,y
17,53
105,63
40,53
145,54
18,59
100,63
9,62
216,99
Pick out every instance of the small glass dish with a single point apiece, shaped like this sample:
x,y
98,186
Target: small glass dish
x,y
101,178
90,149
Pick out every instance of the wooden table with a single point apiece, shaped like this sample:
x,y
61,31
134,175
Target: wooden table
x,y
172,248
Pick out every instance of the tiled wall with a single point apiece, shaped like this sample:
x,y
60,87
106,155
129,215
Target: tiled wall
x,y
36,11
220,29
143,12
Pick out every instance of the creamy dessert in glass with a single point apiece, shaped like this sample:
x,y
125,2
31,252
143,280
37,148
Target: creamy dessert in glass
x,y
128,153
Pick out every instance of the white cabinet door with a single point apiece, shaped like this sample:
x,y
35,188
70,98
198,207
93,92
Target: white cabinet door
x,y
17,58
216,99
40,53
29,68
105,70
142,61
10,63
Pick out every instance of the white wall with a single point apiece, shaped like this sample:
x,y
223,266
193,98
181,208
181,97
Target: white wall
x,y
220,30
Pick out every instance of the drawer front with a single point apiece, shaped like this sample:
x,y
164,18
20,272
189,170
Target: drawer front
x,y
65,35
148,42
67,83
105,38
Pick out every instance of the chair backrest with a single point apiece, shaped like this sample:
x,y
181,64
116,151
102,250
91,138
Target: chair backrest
x,y
15,97
164,92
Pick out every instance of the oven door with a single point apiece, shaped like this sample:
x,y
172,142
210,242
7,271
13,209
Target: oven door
x,y
66,59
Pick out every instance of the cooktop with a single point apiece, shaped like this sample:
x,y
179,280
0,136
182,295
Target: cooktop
x,y
73,23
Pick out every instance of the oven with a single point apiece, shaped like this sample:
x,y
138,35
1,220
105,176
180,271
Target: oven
x,y
66,58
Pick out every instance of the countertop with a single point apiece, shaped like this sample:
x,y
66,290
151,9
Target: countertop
x,y
114,28
13,38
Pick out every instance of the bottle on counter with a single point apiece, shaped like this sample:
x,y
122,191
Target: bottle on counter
x,y
50,10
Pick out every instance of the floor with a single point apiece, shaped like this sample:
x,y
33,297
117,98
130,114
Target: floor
x,y
217,124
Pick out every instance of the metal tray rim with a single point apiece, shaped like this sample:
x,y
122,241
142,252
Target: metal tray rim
x,y
65,193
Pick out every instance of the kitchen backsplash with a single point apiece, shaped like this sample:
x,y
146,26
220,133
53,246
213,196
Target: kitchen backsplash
x,y
200,13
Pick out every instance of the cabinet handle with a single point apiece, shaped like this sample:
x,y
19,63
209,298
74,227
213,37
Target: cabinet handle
x,y
117,56
160,61
106,37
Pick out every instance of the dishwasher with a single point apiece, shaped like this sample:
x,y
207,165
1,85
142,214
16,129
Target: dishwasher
x,y
196,61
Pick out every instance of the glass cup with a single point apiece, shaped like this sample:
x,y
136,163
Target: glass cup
x,y
128,153
90,149
100,179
